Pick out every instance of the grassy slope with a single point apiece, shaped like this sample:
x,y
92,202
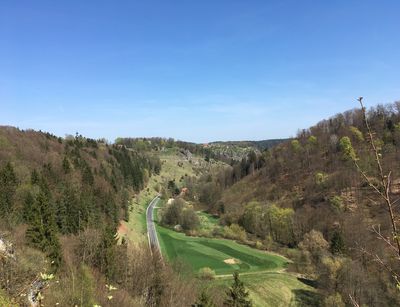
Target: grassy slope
x,y
276,289
262,273
205,252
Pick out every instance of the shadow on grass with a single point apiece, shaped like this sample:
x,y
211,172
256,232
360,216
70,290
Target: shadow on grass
x,y
307,298
308,282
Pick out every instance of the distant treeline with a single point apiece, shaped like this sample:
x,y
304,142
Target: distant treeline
x,y
223,151
260,145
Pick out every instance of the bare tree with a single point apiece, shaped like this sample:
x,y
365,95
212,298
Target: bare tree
x,y
381,184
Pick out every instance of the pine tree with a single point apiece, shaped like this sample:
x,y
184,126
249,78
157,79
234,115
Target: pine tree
x,y
106,253
66,165
35,179
27,209
42,231
69,219
8,186
87,176
204,300
337,243
237,296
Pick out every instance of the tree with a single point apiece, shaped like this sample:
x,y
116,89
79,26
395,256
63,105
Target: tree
x,y
42,229
35,178
27,209
190,220
204,300
66,165
237,296
8,185
280,222
337,243
87,175
106,253
314,243
252,218
334,300
380,182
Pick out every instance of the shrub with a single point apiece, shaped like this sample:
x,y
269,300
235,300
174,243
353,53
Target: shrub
x,y
206,273
235,232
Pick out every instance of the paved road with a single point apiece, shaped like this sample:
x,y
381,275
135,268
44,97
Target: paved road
x,y
151,227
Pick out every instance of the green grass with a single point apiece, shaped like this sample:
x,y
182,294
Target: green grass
x,y
276,289
204,252
262,273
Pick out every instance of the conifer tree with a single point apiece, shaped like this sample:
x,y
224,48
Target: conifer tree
x,y
204,300
42,229
337,243
237,296
106,253
8,186
66,165
35,179
27,209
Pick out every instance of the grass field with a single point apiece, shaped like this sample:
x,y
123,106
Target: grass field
x,y
204,252
262,273
276,289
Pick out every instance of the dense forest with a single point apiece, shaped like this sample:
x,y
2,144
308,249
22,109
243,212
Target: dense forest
x,y
322,198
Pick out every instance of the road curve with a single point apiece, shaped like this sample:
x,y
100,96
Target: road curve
x,y
151,227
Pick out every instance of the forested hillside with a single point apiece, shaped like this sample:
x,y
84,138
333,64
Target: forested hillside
x,y
327,200
322,198
61,200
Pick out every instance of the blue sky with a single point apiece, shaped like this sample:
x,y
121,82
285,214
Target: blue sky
x,y
193,70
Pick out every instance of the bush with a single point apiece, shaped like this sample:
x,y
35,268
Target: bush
x,y
259,245
206,273
178,213
235,232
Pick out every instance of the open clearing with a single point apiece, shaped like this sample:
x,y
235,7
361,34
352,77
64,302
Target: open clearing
x,y
263,273
204,252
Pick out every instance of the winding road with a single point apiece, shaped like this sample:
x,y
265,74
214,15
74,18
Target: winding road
x,y
151,227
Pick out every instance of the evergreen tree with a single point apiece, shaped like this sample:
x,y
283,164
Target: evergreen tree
x,y
35,179
27,209
8,186
42,229
66,165
237,296
70,218
87,176
106,253
204,300
337,243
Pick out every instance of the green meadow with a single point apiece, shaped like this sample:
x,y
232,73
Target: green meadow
x,y
223,256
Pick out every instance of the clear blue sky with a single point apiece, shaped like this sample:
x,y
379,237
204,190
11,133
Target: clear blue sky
x,y
193,70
